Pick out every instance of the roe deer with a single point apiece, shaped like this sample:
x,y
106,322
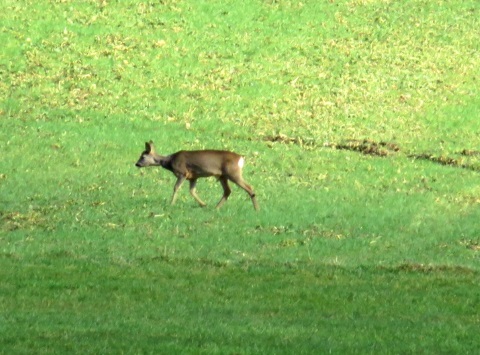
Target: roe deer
x,y
191,165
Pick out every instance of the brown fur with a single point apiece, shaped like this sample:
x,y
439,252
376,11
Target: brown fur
x,y
191,165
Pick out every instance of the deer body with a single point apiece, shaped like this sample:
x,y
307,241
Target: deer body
x,y
191,165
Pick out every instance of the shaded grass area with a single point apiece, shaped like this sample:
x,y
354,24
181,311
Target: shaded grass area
x,y
249,308
333,206
349,253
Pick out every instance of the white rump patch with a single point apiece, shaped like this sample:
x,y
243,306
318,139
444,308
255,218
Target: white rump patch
x,y
241,162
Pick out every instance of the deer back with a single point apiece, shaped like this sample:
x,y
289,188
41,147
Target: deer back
x,y
203,163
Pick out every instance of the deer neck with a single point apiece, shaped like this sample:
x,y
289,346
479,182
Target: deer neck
x,y
162,160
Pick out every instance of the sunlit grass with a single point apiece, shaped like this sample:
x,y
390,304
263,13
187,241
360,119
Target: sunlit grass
x,y
359,124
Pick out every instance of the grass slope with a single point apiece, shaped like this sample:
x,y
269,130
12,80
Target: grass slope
x,y
359,121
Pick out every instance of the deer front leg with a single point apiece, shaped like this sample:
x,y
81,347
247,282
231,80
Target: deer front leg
x,y
193,192
226,191
179,183
241,183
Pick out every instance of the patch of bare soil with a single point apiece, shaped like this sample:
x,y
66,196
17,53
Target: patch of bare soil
x,y
470,153
471,244
422,268
450,161
284,139
443,160
465,159
367,147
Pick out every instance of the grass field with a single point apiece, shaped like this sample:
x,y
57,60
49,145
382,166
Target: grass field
x,y
360,125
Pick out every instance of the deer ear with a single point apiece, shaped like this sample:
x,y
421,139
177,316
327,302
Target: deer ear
x,y
149,147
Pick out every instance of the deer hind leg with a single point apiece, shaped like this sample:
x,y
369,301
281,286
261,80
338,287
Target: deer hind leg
x,y
240,182
226,191
193,192
179,183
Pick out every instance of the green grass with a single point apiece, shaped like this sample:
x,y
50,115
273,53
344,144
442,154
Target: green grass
x,y
350,252
316,308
